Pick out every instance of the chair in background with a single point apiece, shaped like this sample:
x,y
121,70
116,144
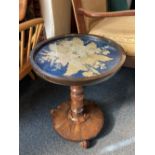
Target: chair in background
x,y
22,9
28,38
92,17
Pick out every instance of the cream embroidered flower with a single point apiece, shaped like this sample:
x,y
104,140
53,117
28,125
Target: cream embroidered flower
x,y
77,56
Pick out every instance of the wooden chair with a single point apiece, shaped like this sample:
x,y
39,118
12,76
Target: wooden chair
x,y
92,17
28,37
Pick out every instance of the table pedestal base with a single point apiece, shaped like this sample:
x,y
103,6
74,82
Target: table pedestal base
x,y
82,128
78,119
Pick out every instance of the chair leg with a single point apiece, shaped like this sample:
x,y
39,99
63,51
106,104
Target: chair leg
x,y
31,74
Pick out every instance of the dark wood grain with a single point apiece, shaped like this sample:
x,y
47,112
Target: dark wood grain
x,y
76,102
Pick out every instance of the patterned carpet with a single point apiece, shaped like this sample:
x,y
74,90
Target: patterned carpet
x,y
116,97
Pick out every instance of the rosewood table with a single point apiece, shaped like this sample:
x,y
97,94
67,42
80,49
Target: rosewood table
x,y
76,60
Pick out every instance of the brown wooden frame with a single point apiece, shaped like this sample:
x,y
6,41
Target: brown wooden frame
x,y
91,14
34,28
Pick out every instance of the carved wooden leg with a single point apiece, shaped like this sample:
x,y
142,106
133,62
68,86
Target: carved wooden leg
x,y
77,104
78,119
84,144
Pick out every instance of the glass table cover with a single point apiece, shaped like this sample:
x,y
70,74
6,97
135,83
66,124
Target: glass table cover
x,y
77,60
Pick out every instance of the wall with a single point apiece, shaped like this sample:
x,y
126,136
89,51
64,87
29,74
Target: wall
x,y
57,16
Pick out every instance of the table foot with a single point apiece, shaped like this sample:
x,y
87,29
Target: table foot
x,y
84,144
87,126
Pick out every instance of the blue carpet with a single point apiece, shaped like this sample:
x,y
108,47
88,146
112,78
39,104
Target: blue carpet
x,y
116,98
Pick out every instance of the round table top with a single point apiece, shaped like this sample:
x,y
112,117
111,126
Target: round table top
x,y
77,59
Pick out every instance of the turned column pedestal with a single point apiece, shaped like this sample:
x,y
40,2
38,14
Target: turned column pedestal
x,y
78,119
